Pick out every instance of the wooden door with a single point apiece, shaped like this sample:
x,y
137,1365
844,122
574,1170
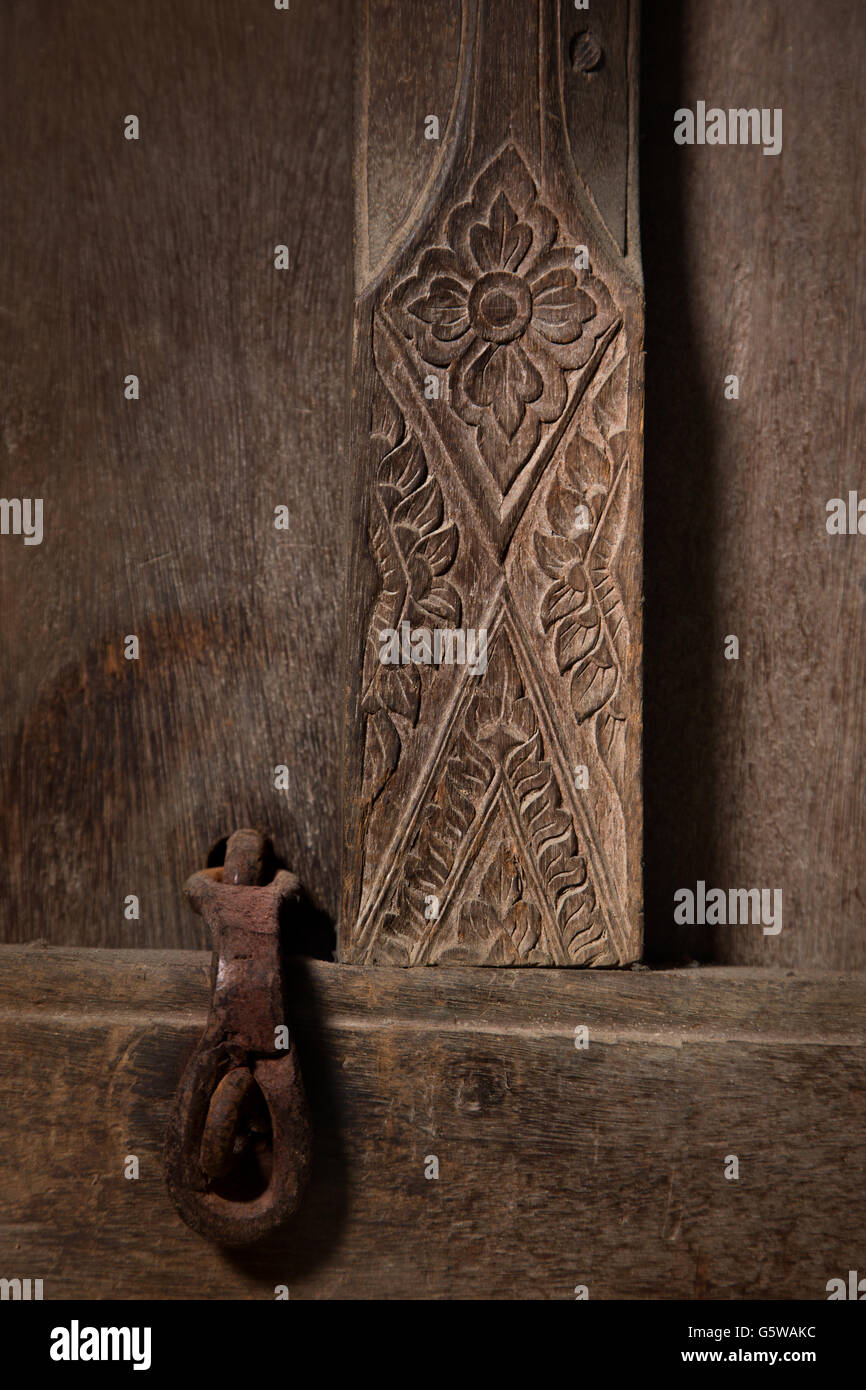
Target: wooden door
x,y
209,516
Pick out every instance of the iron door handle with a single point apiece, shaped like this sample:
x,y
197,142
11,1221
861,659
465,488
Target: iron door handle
x,y
239,1140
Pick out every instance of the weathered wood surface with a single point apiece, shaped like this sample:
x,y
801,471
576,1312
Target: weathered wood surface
x,y
116,780
493,800
156,257
558,1167
755,770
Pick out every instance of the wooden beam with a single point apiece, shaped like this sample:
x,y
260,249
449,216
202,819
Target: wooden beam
x,y
493,803
557,1166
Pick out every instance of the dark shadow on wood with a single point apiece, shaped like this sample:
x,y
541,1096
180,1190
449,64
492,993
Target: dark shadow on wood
x,y
681,487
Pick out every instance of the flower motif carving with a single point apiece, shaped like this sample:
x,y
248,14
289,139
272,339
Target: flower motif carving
x,y
506,309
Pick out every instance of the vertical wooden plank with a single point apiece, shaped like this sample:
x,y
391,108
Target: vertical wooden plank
x,y
493,802
156,257
756,767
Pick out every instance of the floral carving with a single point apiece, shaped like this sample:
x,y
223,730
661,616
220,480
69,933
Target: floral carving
x,y
498,928
498,751
414,548
504,307
586,508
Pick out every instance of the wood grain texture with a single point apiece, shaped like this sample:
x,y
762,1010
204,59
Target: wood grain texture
x,y
755,768
391,110
114,778
557,1167
156,257
493,802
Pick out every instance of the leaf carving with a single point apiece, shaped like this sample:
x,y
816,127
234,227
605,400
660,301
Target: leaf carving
x,y
446,820
586,508
509,927
414,548
499,749
393,944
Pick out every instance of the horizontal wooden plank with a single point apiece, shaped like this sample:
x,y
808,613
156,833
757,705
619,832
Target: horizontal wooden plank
x,y
557,1167
707,1001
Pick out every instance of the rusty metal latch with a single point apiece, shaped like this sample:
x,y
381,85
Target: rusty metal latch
x,y
238,1144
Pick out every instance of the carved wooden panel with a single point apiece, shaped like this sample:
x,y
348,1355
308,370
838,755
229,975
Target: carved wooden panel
x,y
493,801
